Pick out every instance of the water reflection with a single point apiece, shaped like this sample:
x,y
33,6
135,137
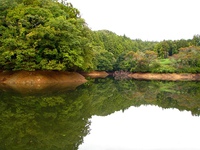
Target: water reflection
x,y
59,118
43,122
145,127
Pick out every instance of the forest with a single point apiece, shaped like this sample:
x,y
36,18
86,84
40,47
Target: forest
x,y
52,35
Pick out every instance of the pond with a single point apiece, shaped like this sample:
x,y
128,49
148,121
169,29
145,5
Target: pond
x,y
102,114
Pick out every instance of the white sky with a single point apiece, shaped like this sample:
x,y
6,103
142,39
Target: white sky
x,y
144,19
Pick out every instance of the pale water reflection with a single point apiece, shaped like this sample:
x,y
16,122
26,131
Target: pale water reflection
x,y
144,128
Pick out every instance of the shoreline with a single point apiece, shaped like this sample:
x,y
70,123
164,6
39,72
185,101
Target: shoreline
x,y
44,81
32,77
166,76
49,77
34,81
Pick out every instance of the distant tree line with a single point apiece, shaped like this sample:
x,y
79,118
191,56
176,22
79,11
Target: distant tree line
x,y
51,35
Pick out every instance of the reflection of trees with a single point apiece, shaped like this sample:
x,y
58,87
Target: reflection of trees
x,y
43,122
61,120
112,95
181,95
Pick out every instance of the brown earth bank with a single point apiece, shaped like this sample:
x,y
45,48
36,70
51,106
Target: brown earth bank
x,y
40,80
165,76
95,74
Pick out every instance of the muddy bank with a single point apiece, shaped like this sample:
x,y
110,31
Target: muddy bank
x,y
40,80
165,76
95,74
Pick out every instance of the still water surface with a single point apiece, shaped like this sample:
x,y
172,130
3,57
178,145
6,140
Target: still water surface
x,y
103,114
146,127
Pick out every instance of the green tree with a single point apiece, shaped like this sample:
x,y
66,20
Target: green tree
x,y
44,35
196,40
188,59
162,48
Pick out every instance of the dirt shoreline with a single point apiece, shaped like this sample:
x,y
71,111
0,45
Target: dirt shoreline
x,y
48,77
95,74
43,81
165,76
34,81
34,77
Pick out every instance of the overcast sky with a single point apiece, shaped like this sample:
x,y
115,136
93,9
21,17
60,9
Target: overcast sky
x,y
143,19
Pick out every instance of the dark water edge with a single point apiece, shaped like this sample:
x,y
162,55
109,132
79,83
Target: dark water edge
x,y
59,118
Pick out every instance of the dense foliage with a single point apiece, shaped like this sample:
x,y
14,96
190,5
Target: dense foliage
x,y
122,53
43,35
51,35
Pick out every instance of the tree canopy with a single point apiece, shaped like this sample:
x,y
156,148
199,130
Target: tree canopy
x,y
51,35
43,35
